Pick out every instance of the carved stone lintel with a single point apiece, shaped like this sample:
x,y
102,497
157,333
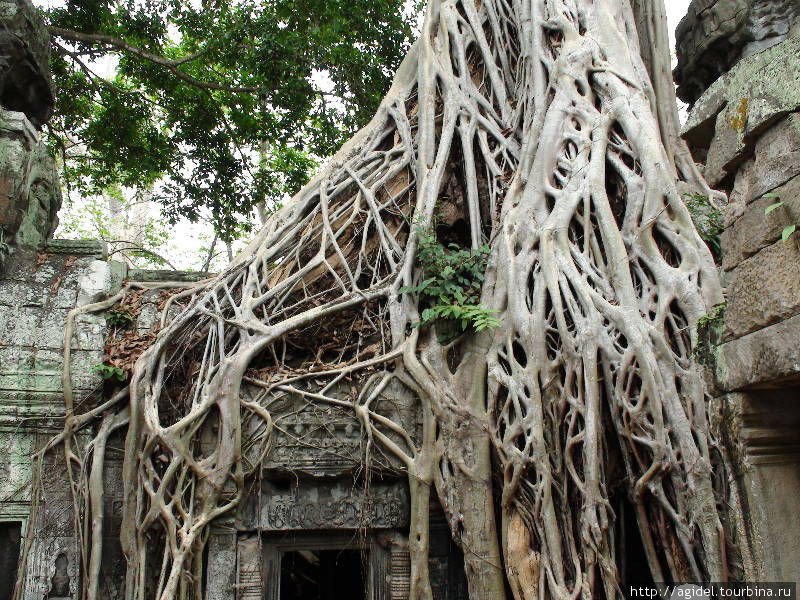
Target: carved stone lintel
x,y
315,504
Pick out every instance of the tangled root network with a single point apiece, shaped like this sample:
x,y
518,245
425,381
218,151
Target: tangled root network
x,y
530,127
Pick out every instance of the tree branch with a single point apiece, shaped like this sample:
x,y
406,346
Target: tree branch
x,y
170,64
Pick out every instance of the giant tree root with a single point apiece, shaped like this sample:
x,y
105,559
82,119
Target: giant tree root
x,y
533,125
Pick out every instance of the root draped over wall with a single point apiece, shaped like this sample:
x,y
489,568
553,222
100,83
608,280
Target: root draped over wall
x,y
536,127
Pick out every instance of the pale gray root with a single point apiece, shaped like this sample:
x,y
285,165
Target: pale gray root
x,y
531,125
600,278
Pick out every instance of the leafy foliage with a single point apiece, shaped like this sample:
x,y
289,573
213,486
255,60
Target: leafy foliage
x,y
452,285
708,221
215,105
119,317
109,372
131,230
709,332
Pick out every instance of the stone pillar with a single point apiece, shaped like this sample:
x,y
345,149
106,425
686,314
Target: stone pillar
x,y
739,67
30,194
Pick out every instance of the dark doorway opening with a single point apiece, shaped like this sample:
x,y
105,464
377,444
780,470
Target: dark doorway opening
x,y
10,539
322,575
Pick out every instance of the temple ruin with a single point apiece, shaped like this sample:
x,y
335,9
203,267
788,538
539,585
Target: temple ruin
x,y
318,518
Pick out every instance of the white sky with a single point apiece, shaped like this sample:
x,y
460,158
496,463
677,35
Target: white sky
x,y
184,248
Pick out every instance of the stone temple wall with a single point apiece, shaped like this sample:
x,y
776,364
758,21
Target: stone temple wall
x,y
745,126
37,291
311,497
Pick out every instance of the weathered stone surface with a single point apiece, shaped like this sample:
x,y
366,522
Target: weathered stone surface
x,y
774,162
752,230
30,194
715,34
94,248
95,283
221,577
25,82
769,357
35,296
763,289
156,275
774,490
727,120
761,432
319,504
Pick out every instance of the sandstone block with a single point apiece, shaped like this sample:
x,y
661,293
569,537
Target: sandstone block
x,y
728,119
763,289
769,357
753,230
95,283
715,34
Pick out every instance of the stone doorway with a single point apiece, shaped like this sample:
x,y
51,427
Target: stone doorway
x,y
10,542
325,565
323,575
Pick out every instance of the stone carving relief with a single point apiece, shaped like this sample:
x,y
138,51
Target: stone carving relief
x,y
317,439
52,572
341,504
59,582
25,82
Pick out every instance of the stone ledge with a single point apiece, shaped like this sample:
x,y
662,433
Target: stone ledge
x,y
768,358
77,247
152,275
715,34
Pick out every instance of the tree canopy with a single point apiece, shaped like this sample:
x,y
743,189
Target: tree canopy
x,y
216,104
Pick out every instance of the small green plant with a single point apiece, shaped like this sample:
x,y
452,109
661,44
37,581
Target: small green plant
x,y
452,285
713,318
789,229
707,220
709,329
119,317
109,372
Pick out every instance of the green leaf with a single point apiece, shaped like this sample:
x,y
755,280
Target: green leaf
x,y
772,207
787,231
770,195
